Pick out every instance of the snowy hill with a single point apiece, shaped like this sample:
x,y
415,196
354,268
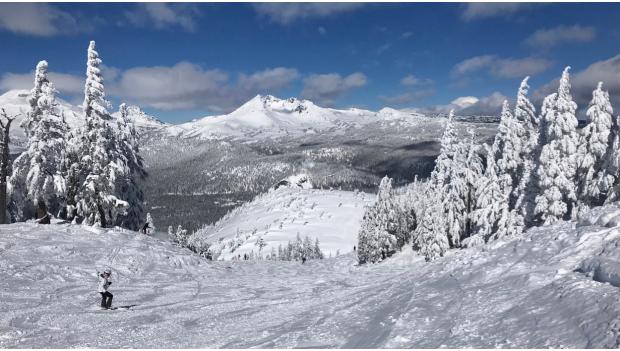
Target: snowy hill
x,y
269,116
15,102
279,215
553,287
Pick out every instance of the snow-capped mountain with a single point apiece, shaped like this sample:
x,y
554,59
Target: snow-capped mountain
x,y
15,102
271,116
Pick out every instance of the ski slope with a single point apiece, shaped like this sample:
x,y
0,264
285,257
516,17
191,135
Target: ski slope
x,y
553,287
277,217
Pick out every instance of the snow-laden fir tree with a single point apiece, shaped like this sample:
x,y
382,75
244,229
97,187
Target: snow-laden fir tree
x,y
375,238
38,177
489,198
100,165
431,238
525,114
610,183
507,148
593,146
472,172
448,184
318,254
128,182
558,159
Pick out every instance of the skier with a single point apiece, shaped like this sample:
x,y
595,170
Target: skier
x,y
145,227
104,283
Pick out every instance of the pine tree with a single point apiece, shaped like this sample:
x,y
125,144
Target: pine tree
x,y
489,197
101,165
431,234
376,238
128,182
507,148
558,161
318,254
472,173
593,146
525,115
610,184
38,175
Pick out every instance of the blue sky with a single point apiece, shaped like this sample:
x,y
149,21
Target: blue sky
x,y
181,61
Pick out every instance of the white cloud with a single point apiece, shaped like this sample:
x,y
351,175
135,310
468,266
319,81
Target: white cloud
x,y
163,15
287,13
37,19
406,35
322,30
324,89
470,105
486,106
65,83
563,34
407,97
182,86
187,85
502,67
585,81
411,80
481,10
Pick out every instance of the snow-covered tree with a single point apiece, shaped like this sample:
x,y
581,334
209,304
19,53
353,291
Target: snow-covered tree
x,y
558,158
593,147
5,160
128,182
101,164
318,254
376,238
473,171
525,115
489,198
431,238
38,176
507,148
610,183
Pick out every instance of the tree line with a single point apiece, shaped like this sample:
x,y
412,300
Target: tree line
x,y
540,169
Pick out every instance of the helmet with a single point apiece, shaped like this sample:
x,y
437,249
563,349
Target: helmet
x,y
107,271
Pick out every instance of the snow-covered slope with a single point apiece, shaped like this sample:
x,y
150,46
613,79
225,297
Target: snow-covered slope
x,y
15,102
269,116
553,287
279,215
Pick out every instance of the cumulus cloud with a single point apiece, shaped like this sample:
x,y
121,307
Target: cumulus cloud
x,y
182,86
502,67
585,81
187,85
287,13
324,89
486,106
37,19
482,10
65,83
407,97
546,38
162,15
411,80
472,106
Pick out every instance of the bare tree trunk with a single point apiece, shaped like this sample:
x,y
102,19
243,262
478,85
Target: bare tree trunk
x,y
5,162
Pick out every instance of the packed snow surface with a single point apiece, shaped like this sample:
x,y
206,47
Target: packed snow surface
x,y
277,217
539,290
